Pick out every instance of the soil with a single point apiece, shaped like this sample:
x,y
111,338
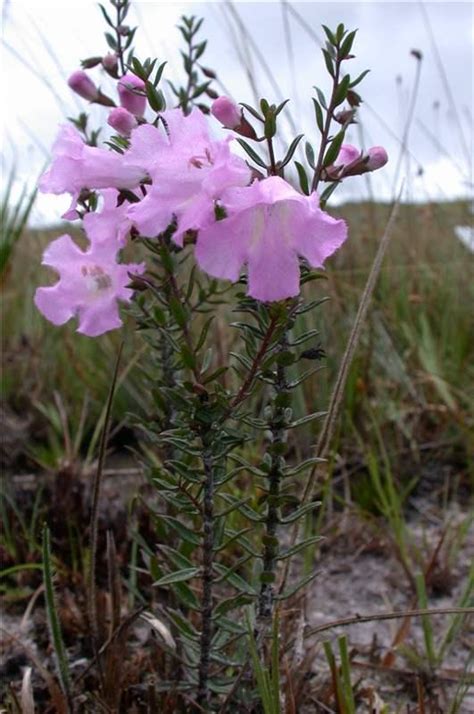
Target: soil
x,y
359,574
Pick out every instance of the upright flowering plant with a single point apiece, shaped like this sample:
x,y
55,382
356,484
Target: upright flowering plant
x,y
202,215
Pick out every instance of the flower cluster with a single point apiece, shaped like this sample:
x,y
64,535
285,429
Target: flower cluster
x,y
176,173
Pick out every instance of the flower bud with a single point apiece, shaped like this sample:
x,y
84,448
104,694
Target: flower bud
x,y
122,121
129,88
348,156
377,158
227,112
110,62
80,83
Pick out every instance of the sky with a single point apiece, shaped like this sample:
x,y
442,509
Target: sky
x,y
44,40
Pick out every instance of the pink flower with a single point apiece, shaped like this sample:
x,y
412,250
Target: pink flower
x,y
268,226
227,112
122,121
189,173
89,286
132,97
378,157
81,83
110,224
76,166
173,144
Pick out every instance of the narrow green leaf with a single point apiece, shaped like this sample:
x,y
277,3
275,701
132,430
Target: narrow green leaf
x,y
342,90
291,150
347,44
252,111
53,618
310,155
300,512
178,576
361,76
319,115
303,179
321,98
253,154
329,63
111,41
334,148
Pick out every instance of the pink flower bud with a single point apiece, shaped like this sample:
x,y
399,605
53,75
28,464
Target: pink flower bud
x,y
80,83
348,155
130,98
110,61
122,121
377,158
227,112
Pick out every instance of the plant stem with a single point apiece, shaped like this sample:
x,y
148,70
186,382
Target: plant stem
x,y
207,563
327,125
272,169
275,475
119,40
244,389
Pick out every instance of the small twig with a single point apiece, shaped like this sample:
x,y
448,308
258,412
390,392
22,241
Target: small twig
x,y
357,619
242,393
399,671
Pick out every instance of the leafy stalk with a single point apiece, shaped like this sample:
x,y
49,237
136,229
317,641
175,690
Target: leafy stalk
x,y
275,476
207,572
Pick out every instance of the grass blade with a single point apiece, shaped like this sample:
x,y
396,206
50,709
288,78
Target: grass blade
x,y
53,619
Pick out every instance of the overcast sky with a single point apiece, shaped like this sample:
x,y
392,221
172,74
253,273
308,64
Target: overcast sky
x,y
43,41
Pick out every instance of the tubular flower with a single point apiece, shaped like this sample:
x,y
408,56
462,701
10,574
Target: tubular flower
x,y
90,284
188,170
268,226
76,166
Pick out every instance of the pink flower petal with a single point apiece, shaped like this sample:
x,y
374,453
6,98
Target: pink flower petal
x,y
90,283
268,226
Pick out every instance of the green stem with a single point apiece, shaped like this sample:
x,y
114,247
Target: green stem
x,y
327,126
275,476
207,567
119,39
